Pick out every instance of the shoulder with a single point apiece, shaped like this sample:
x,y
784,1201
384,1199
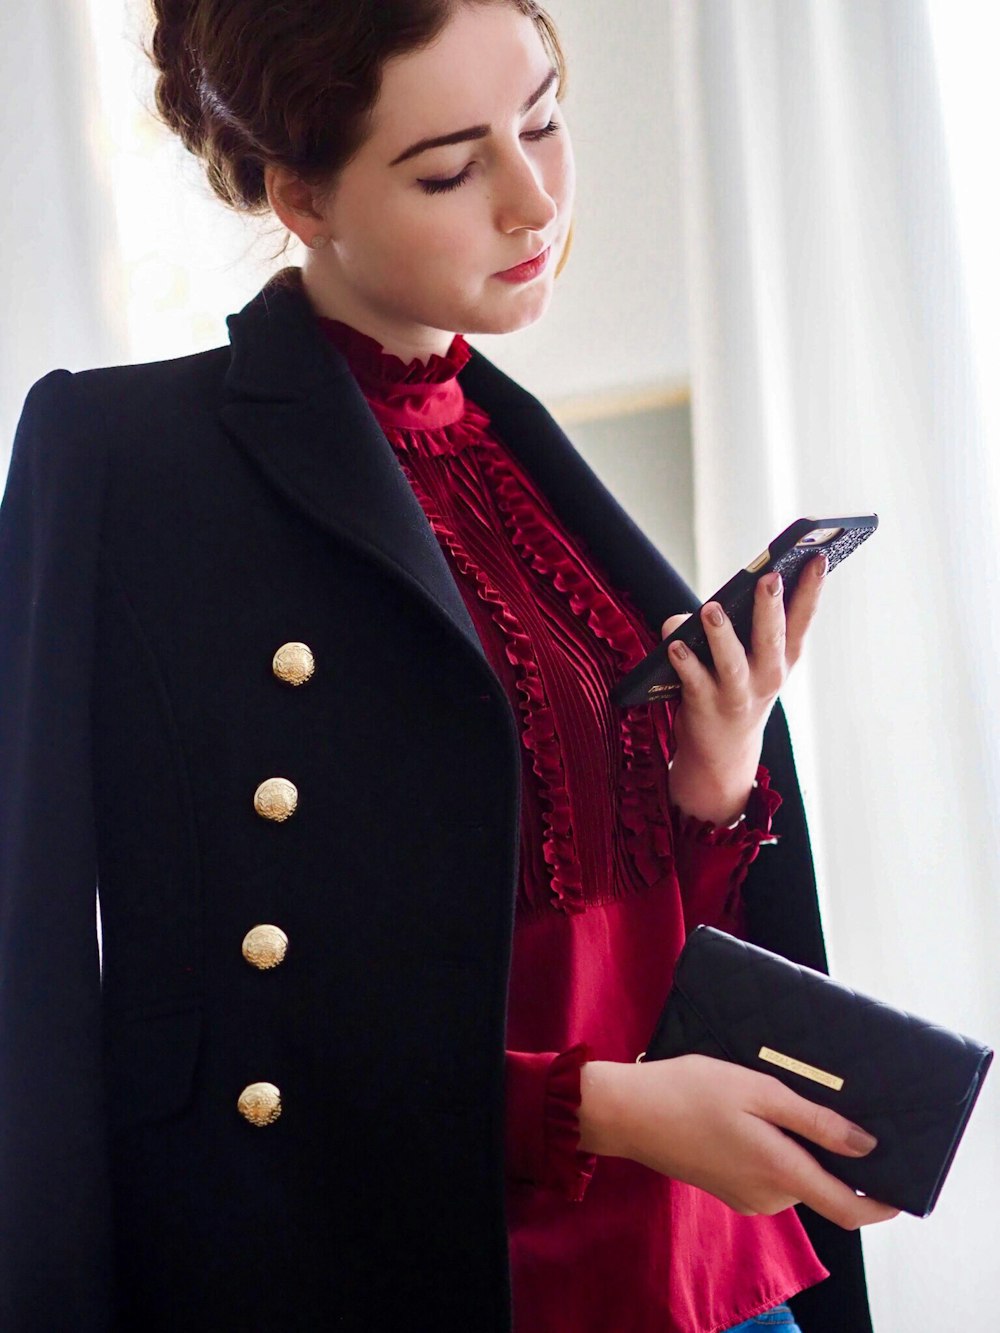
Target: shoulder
x,y
178,382
74,399
73,423
47,441
51,497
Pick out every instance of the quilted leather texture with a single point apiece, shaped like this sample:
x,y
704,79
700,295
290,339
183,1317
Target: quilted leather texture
x,y
909,1082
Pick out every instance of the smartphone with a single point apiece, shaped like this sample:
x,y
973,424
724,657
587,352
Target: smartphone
x,y
655,678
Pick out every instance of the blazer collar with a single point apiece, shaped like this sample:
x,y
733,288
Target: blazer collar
x,y
297,409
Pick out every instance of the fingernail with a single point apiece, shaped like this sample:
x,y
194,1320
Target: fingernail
x,y
715,615
859,1141
822,565
678,650
774,585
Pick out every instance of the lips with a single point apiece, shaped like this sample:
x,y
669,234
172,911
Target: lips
x,y
525,266
531,258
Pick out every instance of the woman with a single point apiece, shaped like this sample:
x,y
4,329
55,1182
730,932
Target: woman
x,y
306,650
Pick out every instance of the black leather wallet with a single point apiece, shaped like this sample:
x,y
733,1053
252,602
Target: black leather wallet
x,y
911,1083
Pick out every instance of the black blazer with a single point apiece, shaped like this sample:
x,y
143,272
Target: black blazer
x,y
165,528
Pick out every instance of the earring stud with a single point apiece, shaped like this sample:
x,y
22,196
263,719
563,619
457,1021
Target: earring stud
x,y
318,242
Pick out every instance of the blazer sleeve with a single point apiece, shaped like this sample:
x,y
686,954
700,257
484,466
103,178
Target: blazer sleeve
x,y
54,1194
782,913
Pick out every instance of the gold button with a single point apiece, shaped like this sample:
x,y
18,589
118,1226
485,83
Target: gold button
x,y
294,663
264,947
276,799
260,1103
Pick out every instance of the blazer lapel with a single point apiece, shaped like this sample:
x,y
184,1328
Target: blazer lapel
x,y
298,410
577,495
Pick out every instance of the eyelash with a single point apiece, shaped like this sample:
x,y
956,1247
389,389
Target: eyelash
x,y
443,187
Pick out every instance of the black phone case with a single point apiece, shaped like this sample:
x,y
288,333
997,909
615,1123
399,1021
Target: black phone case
x,y
655,678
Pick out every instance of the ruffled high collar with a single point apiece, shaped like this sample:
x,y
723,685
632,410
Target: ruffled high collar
x,y
404,396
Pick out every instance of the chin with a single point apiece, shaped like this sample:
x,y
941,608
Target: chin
x,y
516,316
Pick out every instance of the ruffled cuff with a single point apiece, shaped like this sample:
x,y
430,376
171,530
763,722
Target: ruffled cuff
x,y
543,1125
713,860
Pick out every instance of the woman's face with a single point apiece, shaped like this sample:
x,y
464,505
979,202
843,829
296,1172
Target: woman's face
x,y
418,235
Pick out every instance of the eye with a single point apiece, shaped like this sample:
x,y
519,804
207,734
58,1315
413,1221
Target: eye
x,y
551,128
443,187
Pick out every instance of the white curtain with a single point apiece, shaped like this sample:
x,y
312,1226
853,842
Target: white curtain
x,y
832,374
59,274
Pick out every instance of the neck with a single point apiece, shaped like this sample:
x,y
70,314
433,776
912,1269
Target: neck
x,y
332,300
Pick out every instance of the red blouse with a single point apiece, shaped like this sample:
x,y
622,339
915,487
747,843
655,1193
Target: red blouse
x,y
611,877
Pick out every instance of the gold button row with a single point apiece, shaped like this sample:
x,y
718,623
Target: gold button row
x,y
264,947
276,798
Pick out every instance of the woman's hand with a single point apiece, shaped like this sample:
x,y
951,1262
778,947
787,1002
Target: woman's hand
x,y
720,1127
719,724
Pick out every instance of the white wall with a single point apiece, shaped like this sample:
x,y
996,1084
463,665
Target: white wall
x,y
645,459
619,316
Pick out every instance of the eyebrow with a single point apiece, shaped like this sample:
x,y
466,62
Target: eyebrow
x,y
474,131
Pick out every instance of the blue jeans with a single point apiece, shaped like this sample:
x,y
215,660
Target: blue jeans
x,y
780,1317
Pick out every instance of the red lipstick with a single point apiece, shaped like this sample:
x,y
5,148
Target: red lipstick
x,y
525,272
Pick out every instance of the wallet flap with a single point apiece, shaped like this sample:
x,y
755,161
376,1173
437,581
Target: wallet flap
x,y
844,1049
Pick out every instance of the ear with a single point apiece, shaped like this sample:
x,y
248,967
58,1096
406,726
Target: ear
x,y
292,200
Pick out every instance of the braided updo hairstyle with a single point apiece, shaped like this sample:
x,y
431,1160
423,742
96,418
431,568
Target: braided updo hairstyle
x,y
248,84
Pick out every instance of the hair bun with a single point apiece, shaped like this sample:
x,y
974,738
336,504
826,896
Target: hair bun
x,y
177,91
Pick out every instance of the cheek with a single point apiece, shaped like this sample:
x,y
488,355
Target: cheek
x,y
431,242
411,251
564,180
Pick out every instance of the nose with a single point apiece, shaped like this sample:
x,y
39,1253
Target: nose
x,y
522,202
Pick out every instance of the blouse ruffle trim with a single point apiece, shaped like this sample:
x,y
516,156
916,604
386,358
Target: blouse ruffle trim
x,y
734,849
413,396
368,358
571,1168
538,733
643,801
750,832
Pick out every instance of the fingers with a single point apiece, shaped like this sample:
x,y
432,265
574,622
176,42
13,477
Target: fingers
x,y
673,622
767,640
728,655
830,1197
739,681
824,1127
692,673
777,637
806,1181
819,1124
721,1128
803,605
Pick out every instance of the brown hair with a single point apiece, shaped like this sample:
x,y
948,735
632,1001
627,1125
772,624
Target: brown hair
x,y
249,83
